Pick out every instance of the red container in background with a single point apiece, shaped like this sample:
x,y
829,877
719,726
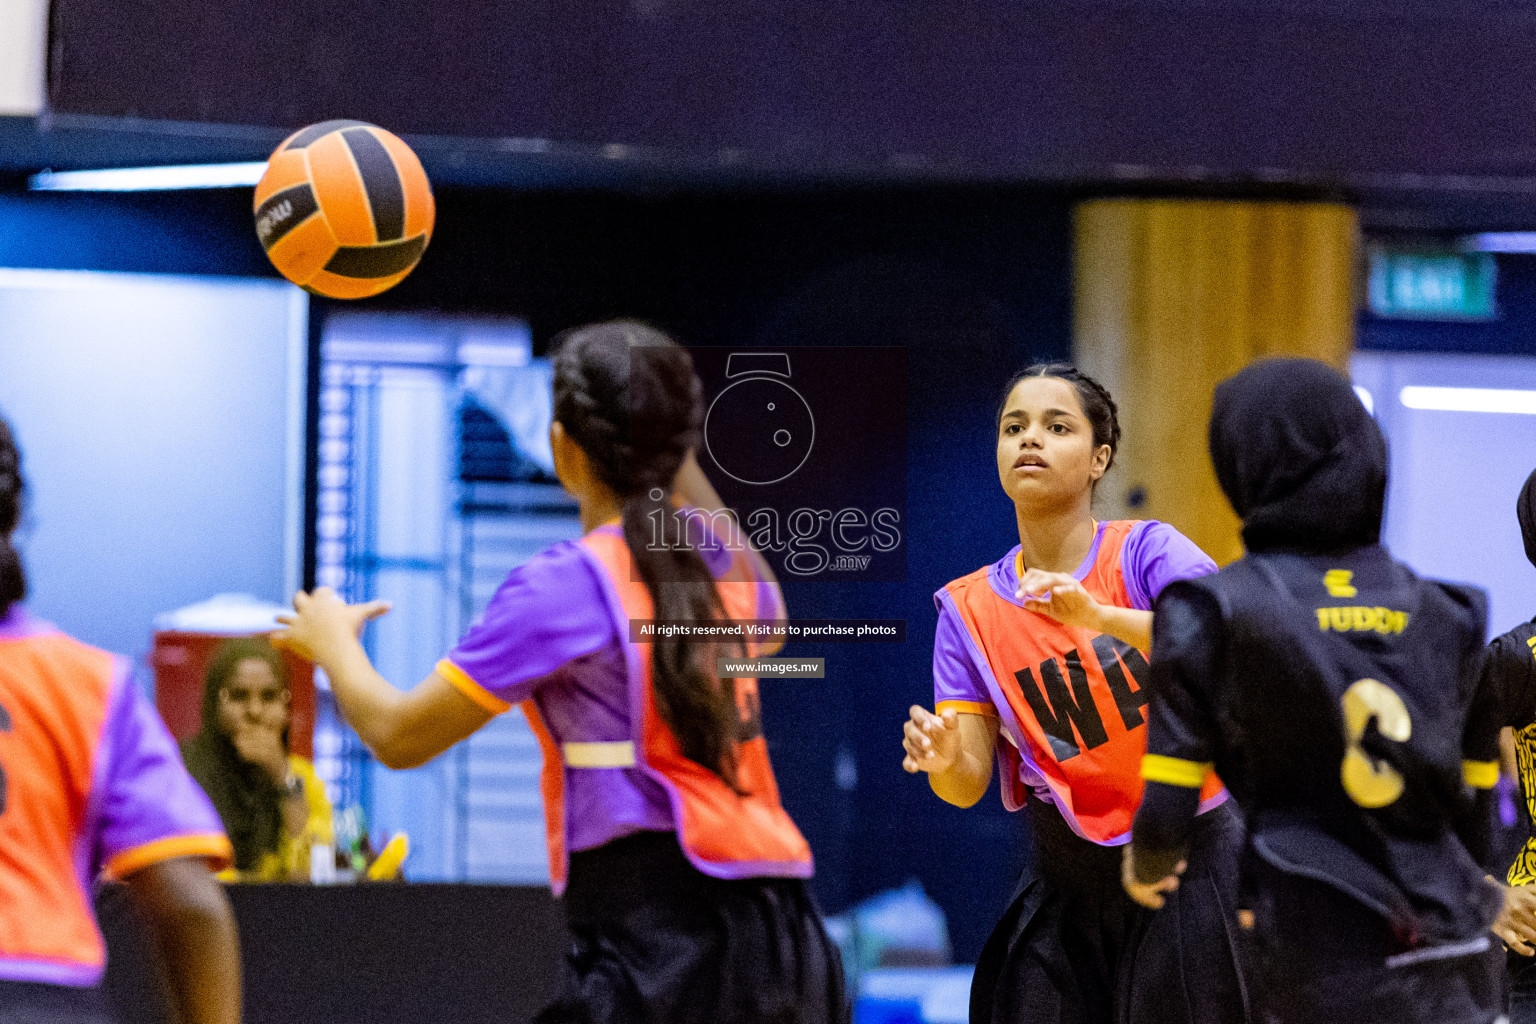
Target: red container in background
x,y
181,657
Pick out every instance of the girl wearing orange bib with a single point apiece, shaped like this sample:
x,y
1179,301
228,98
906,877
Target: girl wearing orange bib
x,y
682,875
1039,665
92,790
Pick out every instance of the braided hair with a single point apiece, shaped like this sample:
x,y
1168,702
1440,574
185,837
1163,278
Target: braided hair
x,y
13,578
1103,415
628,396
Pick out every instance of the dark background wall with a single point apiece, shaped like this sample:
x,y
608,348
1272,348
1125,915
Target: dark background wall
x,y
1097,90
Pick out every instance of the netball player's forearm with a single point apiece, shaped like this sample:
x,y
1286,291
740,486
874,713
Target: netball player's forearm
x,y
403,729
194,931
965,781
1162,829
1127,624
371,706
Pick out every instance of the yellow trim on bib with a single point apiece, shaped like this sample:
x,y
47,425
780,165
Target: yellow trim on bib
x,y
1480,774
614,754
1174,771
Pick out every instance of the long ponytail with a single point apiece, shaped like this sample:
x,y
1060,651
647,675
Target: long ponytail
x,y
628,396
13,578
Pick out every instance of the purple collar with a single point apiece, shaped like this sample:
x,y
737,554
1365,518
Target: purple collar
x,y
18,623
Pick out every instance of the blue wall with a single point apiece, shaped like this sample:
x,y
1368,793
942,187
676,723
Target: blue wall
x,y
153,413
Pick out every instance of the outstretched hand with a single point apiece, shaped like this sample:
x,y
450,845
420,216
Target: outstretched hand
x,y
1151,895
1060,596
323,624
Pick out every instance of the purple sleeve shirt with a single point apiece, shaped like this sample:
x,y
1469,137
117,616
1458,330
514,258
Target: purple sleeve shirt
x,y
145,807
1155,555
547,635
549,611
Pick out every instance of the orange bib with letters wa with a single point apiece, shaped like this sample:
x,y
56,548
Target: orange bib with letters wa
x,y
1070,699
723,833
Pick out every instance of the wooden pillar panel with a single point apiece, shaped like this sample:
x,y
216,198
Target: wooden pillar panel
x,y
1171,297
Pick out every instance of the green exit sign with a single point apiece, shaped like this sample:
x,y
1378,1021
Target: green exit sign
x,y
1430,284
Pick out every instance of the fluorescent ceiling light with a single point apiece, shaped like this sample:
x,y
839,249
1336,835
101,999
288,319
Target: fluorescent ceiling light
x,y
1503,241
151,179
1470,400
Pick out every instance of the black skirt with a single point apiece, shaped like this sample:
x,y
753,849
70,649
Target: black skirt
x,y
25,1002
1319,955
655,939
1073,948
1522,988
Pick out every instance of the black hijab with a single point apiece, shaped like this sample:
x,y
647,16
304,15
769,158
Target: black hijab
x,y
1301,461
1525,508
243,794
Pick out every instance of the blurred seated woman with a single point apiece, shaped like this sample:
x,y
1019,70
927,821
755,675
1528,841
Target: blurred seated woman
x,y
273,805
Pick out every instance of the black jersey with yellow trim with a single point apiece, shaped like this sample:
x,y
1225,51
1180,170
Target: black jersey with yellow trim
x,y
1509,686
1332,695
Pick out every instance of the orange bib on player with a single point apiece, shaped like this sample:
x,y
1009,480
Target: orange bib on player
x,y
722,833
1070,699
55,692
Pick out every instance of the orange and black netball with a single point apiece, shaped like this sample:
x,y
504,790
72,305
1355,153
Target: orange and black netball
x,y
344,209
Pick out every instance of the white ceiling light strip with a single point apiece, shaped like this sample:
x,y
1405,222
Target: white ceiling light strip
x,y
1503,241
1501,400
150,179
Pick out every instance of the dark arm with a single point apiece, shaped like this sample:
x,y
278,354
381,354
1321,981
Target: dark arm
x,y
1501,694
1181,732
1162,830
193,929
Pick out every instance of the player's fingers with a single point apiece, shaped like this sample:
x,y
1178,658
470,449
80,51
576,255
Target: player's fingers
x,y
1039,579
373,609
919,714
934,727
1523,927
923,755
1167,884
951,718
1034,583
909,765
1178,869
300,600
1512,940
322,593
916,737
